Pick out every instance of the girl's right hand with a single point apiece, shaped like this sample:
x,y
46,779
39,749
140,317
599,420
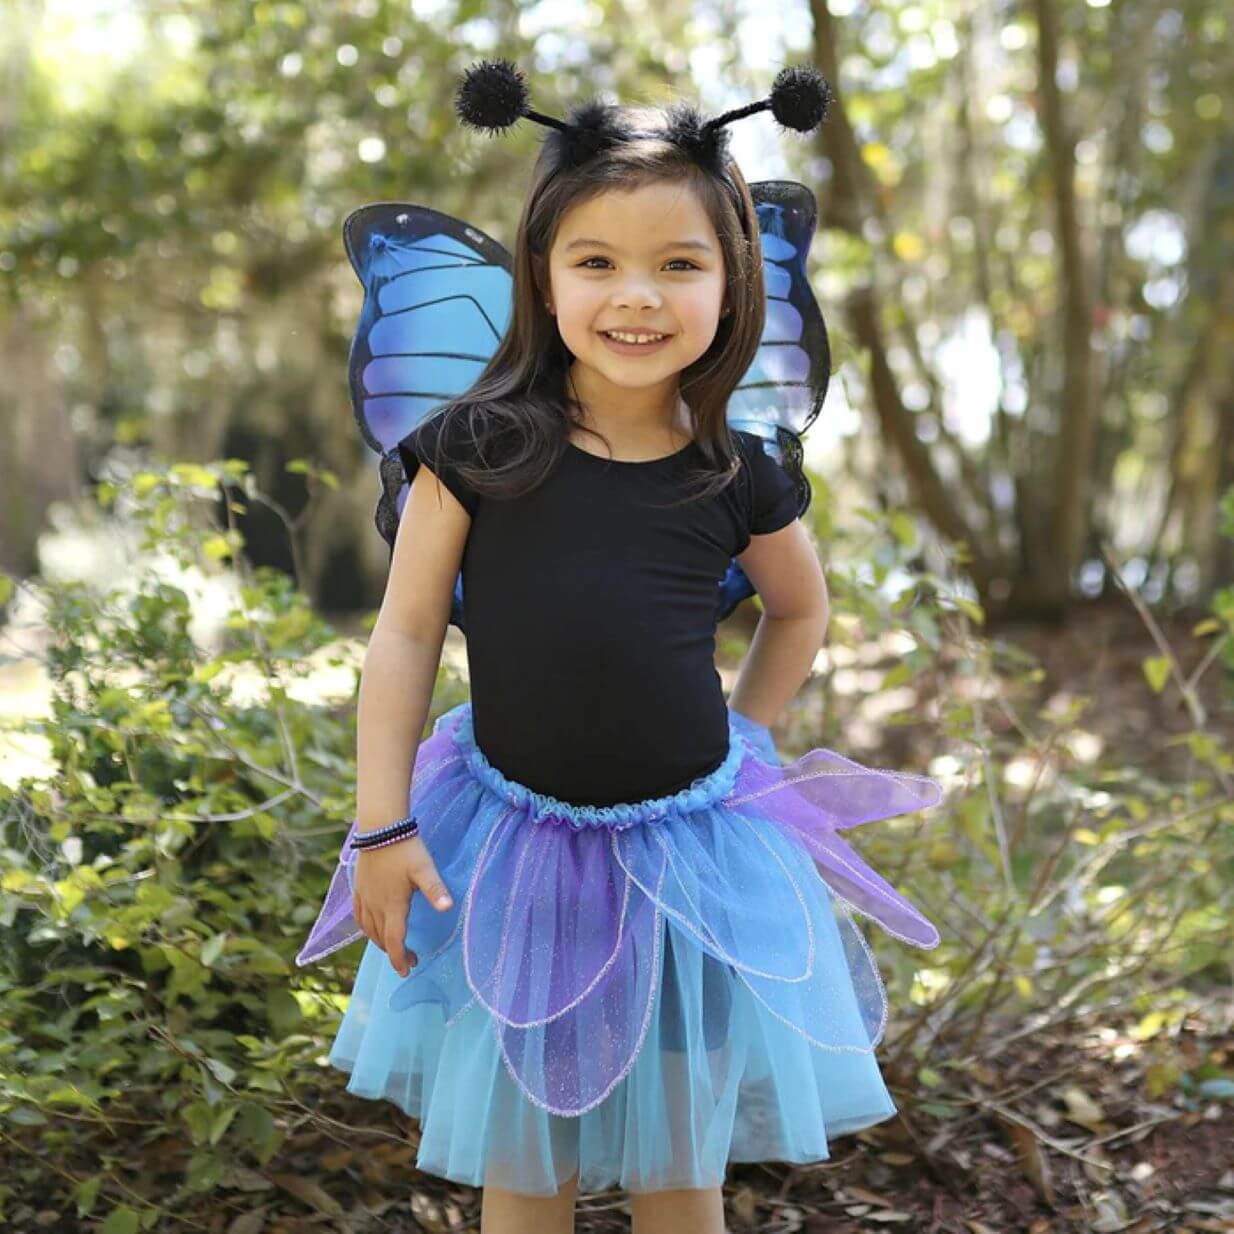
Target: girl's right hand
x,y
384,881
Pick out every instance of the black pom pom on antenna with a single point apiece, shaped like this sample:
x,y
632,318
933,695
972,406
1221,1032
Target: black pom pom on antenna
x,y
492,95
800,97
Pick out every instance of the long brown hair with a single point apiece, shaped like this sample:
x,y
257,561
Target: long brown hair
x,y
516,414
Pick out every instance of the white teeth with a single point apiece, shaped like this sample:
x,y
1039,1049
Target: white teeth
x,y
635,338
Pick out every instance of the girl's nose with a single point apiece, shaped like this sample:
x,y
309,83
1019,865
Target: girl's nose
x,y
637,294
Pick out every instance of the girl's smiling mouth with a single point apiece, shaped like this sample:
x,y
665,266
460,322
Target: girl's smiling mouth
x,y
620,342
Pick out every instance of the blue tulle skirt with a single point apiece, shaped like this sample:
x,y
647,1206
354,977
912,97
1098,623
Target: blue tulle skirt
x,y
638,994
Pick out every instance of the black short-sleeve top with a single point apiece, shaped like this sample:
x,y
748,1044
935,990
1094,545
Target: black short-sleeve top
x,y
420,446
590,614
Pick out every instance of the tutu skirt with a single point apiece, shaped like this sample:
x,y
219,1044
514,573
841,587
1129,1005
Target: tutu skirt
x,y
639,993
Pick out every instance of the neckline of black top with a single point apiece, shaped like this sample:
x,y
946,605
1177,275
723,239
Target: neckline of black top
x,y
632,462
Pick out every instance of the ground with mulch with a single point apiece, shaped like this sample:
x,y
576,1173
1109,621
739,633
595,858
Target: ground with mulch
x,y
1062,1137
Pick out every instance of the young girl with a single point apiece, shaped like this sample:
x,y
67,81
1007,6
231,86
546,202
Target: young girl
x,y
611,942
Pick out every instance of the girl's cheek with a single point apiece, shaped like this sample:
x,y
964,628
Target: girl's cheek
x,y
703,317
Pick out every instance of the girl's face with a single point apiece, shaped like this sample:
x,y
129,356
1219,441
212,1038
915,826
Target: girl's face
x,y
642,260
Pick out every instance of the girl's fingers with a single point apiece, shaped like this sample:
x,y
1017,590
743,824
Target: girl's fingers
x,y
424,874
391,937
368,923
393,942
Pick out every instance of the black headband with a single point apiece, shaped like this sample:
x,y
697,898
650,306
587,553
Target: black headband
x,y
493,95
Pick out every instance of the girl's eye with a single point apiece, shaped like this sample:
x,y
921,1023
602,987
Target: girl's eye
x,y
586,265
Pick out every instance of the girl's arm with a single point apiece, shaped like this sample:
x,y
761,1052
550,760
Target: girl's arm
x,y
404,650
396,688
785,571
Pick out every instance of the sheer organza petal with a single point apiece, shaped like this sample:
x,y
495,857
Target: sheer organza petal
x,y
844,1012
825,786
768,935
545,918
821,793
569,1064
766,929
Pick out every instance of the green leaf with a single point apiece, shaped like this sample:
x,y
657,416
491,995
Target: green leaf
x,y
903,527
221,1071
256,1125
1157,671
122,1220
194,475
205,1172
68,1094
973,610
198,1115
213,948
24,1116
897,675
222,1120
284,1011
86,1194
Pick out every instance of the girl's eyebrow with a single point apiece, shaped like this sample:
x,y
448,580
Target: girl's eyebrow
x,y
701,245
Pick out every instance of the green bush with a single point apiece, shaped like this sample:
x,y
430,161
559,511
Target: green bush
x,y
158,884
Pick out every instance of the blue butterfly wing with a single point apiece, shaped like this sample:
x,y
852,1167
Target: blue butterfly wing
x,y
786,383
438,294
782,392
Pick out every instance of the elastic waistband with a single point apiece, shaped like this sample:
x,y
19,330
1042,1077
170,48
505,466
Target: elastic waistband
x,y
704,791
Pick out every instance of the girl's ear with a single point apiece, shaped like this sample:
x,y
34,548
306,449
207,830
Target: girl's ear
x,y
539,269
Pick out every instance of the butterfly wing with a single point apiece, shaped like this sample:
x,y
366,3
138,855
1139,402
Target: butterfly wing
x,y
782,392
437,300
787,380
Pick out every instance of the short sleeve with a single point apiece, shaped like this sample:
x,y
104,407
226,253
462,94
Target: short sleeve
x,y
420,446
773,497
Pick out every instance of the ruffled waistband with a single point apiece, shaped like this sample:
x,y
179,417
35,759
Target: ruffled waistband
x,y
704,791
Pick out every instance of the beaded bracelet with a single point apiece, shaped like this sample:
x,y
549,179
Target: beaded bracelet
x,y
399,830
